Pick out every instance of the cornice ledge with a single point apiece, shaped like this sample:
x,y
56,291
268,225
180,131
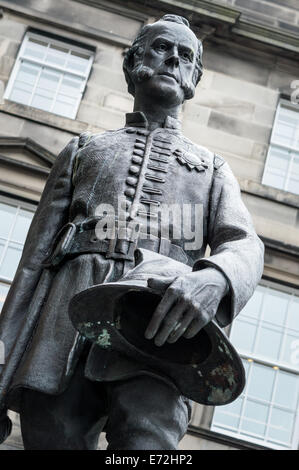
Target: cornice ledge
x,y
212,10
246,26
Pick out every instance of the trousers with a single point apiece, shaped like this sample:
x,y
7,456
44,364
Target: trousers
x,y
140,413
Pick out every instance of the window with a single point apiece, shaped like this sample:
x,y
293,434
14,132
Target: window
x,y
282,164
49,75
266,334
15,220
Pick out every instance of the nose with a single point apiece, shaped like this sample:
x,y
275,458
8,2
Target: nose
x,y
173,58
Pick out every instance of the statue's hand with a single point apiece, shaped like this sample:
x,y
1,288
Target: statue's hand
x,y
188,304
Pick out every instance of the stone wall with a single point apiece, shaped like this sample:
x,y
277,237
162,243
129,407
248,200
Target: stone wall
x,y
232,112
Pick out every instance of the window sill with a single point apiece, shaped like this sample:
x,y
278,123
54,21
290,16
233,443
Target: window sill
x,y
49,119
267,192
225,440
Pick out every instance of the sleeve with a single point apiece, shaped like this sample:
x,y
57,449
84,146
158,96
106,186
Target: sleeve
x,y
236,250
51,215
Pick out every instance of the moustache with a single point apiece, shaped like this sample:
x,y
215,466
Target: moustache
x,y
142,73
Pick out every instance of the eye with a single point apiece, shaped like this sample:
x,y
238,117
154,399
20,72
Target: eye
x,y
186,56
162,47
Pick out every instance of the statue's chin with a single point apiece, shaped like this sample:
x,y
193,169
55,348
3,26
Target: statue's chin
x,y
163,91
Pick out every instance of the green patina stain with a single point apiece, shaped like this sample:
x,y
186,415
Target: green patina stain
x,y
104,339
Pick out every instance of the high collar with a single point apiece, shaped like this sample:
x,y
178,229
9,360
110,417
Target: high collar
x,y
138,119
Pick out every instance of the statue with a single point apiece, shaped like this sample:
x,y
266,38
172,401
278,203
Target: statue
x,y
62,372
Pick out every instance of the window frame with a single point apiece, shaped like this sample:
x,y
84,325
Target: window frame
x,y
283,103
19,204
43,64
259,359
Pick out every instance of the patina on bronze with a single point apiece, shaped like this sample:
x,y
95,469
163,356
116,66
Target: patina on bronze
x,y
51,371
205,368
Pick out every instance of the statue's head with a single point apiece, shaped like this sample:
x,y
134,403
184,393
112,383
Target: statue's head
x,y
165,59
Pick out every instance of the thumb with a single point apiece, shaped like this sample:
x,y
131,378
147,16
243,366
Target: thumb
x,y
159,284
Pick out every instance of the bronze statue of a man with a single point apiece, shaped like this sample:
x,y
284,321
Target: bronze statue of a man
x,y
51,375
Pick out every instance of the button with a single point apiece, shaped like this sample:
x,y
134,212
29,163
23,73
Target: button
x,y
134,169
143,132
138,152
128,204
137,159
130,192
139,146
130,130
131,181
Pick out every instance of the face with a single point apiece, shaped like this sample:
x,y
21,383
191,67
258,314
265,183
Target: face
x,y
170,53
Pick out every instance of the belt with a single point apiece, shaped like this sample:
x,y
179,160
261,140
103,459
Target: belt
x,y
74,239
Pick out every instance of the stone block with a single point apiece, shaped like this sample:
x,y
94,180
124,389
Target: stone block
x,y
12,29
268,9
6,65
196,113
10,125
264,115
224,103
259,152
272,211
205,82
101,76
238,63
100,117
245,91
120,102
280,80
217,140
238,127
50,138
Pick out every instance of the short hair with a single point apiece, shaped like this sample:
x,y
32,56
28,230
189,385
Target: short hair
x,y
137,51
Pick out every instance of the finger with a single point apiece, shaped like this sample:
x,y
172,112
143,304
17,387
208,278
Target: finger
x,y
159,284
194,328
178,332
159,314
170,322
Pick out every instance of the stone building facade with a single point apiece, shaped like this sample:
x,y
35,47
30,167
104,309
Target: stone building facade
x,y
246,108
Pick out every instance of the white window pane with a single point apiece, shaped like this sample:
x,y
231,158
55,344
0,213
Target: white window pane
x,y
293,184
57,55
275,307
4,288
277,167
253,307
42,102
23,87
49,80
78,62
22,226
261,382
286,392
255,418
2,245
71,86
7,217
229,415
35,49
269,343
20,96
11,260
281,425
28,73
293,314
63,108
290,354
287,126
243,335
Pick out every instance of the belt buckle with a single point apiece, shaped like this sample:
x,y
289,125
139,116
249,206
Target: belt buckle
x,y
63,239
116,246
